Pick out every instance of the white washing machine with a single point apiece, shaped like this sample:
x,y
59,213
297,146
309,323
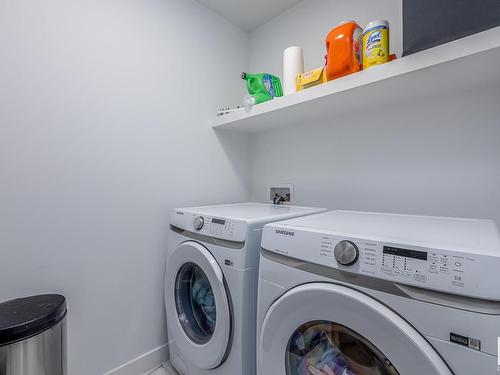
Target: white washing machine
x,y
343,293
211,285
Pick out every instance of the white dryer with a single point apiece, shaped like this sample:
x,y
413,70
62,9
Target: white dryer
x,y
211,285
344,293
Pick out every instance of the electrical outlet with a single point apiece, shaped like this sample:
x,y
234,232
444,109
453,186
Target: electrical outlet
x,y
280,192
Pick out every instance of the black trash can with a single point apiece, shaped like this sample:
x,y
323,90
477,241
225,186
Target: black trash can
x,y
33,336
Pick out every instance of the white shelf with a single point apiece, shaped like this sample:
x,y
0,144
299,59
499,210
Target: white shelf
x,y
471,63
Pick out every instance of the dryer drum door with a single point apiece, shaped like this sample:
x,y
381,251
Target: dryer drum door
x,y
197,305
329,329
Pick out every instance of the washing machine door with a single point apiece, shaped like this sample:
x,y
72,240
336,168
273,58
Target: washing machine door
x,y
197,305
329,329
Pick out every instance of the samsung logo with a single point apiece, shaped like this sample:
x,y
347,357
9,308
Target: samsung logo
x,y
179,213
285,232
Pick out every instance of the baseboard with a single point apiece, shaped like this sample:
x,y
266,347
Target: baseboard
x,y
143,363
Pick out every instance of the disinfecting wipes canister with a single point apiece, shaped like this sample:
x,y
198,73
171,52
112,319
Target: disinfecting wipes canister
x,y
375,43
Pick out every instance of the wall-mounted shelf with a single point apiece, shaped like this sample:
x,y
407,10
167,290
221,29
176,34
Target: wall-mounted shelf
x,y
471,63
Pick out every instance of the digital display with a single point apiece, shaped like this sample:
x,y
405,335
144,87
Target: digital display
x,y
219,221
414,254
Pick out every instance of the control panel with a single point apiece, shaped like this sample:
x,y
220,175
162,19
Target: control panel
x,y
450,271
406,264
216,227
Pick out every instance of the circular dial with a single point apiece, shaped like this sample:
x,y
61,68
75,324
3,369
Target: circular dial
x,y
346,253
198,222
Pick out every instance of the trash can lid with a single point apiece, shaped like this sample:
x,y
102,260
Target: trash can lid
x,y
23,318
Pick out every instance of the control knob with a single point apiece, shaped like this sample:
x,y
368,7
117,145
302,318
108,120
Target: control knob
x,y
198,222
346,253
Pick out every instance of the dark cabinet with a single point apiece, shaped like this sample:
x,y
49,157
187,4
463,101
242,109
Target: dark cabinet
x,y
428,23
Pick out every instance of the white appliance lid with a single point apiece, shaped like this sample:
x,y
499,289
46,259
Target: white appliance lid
x,y
478,236
251,212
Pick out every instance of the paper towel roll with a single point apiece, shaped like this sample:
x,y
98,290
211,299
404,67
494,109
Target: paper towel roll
x,y
293,64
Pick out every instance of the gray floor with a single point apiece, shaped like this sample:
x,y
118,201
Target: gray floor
x,y
159,371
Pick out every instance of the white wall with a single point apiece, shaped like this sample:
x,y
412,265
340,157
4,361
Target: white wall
x,y
436,156
104,108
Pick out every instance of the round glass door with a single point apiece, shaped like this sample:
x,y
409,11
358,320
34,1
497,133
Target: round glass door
x,y
195,303
330,329
198,306
327,348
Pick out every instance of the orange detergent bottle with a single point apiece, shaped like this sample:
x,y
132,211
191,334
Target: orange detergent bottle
x,y
343,46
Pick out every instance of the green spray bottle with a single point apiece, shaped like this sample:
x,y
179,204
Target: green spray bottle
x,y
262,87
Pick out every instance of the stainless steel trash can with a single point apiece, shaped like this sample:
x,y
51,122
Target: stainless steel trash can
x,y
33,336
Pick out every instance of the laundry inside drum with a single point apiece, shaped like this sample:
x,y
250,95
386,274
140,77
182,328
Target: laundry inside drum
x,y
328,348
195,303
